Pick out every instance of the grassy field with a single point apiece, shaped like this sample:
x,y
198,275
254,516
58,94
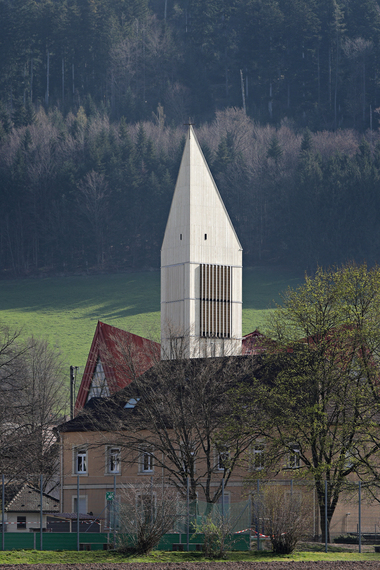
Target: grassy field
x,y
65,310
70,557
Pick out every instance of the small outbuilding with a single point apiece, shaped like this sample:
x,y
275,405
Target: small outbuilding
x,y
22,507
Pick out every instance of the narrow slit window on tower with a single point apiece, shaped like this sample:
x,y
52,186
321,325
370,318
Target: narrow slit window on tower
x,y
215,300
205,236
180,236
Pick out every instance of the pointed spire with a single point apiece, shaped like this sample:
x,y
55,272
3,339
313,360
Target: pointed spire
x,y
197,212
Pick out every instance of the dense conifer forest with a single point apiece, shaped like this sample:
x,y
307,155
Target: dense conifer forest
x,y
284,94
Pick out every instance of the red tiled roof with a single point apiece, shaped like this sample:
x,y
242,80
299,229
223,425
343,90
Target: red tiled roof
x,y
113,346
252,343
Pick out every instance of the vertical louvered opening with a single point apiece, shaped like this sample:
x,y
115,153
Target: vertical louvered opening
x,y
215,288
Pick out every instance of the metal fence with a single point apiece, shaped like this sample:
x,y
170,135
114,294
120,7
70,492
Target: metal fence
x,y
356,519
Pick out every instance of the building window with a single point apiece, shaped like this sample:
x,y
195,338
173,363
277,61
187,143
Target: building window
x,y
146,462
82,504
294,461
146,507
215,297
258,457
223,459
21,523
113,460
187,458
81,460
205,236
180,236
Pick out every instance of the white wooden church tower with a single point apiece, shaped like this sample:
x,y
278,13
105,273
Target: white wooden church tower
x,y
201,267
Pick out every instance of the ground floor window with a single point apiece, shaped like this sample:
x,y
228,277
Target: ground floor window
x,y
21,523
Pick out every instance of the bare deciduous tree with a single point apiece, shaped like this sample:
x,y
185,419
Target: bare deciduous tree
x,y
146,512
176,412
32,401
287,518
92,199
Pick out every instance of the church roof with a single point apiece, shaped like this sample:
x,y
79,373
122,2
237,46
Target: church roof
x,y
123,356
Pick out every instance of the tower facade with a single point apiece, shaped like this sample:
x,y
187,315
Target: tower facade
x,y
201,267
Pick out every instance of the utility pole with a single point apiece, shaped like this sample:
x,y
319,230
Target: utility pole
x,y
73,375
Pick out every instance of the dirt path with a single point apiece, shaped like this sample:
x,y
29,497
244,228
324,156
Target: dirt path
x,y
282,565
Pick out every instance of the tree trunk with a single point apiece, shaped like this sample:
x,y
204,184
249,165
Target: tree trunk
x,y
331,504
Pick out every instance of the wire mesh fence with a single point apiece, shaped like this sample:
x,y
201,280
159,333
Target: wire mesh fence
x,y
264,508
288,505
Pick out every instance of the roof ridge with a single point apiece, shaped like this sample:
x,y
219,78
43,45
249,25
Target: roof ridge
x,y
23,485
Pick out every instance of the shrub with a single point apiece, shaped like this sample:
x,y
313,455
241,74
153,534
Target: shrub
x,y
215,528
146,513
287,518
347,539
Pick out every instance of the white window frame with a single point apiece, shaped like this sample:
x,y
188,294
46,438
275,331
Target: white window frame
x,y
258,454
146,461
294,460
141,506
222,455
81,498
80,452
227,501
350,458
183,453
113,452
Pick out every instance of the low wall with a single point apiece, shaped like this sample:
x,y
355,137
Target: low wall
x,y
68,541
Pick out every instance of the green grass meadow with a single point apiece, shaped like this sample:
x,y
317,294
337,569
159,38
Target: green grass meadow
x,y
65,310
70,557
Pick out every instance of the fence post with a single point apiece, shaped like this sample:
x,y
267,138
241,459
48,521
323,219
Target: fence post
x,y
258,514
326,529
223,501
188,513
3,513
114,509
41,511
360,516
78,513
250,517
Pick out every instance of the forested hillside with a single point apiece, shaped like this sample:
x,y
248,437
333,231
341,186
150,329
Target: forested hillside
x,y
312,60
93,97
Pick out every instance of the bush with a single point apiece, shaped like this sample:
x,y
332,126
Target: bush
x,y
215,529
346,539
146,513
287,518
